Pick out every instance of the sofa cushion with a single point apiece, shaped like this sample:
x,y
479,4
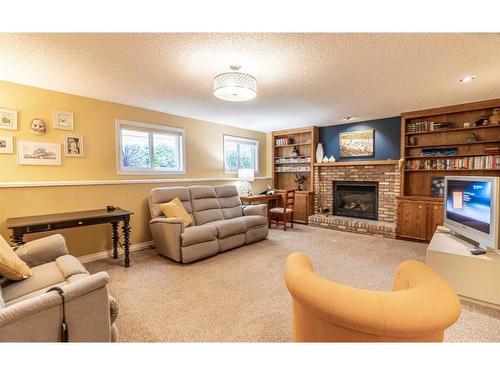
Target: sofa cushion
x,y
229,201
174,208
226,228
44,276
197,234
2,303
11,266
166,194
254,221
205,205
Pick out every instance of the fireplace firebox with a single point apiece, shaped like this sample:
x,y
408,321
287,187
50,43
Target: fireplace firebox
x,y
355,199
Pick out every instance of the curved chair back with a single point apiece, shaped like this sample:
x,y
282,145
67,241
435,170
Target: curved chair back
x,y
420,307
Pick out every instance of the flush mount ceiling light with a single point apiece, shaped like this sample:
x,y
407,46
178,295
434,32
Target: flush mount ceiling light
x,y
235,86
347,118
467,79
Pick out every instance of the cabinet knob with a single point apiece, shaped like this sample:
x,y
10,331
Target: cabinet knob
x,y
435,207
80,222
419,206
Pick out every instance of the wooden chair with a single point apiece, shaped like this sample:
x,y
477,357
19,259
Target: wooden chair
x,y
284,213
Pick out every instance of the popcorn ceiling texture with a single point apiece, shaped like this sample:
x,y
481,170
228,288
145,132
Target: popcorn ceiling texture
x,y
302,78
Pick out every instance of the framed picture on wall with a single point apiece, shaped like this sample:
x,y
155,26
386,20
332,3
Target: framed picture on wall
x,y
38,153
356,143
8,119
73,146
63,120
6,144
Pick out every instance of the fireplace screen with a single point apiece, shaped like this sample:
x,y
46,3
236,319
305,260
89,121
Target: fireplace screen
x,y
356,199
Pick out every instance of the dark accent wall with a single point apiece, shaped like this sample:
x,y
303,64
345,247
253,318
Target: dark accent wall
x,y
386,143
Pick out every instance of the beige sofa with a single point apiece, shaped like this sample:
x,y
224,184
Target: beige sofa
x,y
29,314
220,222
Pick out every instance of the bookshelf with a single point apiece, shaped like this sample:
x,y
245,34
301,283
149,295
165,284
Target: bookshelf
x,y
294,154
439,142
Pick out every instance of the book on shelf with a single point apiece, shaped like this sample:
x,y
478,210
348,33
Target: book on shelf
x,y
468,162
427,126
492,150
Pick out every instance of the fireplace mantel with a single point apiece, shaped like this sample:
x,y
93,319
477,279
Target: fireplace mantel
x,y
356,163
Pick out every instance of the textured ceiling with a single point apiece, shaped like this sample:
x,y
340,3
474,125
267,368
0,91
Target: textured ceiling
x,y
303,79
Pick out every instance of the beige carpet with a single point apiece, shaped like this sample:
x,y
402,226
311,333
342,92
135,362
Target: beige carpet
x,y
240,295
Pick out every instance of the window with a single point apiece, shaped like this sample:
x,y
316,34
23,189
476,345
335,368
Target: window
x,y
149,149
240,153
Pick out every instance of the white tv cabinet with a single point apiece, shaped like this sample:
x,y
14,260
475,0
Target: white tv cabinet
x,y
475,277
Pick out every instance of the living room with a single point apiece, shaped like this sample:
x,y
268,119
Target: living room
x,y
249,187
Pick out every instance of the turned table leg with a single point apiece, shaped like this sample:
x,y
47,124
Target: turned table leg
x,y
126,237
16,239
115,239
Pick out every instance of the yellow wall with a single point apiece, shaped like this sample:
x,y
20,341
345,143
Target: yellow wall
x,y
94,120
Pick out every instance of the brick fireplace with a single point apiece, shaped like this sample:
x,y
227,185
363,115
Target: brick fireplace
x,y
355,179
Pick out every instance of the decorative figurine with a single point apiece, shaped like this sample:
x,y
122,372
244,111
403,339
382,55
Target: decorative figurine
x,y
38,126
412,141
325,159
332,159
482,121
494,119
295,151
471,138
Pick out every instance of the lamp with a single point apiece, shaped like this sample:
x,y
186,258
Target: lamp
x,y
235,86
246,175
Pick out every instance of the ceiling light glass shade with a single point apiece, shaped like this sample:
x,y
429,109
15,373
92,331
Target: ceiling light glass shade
x,y
235,86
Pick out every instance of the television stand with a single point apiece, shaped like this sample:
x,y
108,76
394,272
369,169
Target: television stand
x,y
474,277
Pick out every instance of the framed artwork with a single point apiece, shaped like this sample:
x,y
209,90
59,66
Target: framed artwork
x,y
38,153
63,120
6,144
8,119
356,143
437,186
73,146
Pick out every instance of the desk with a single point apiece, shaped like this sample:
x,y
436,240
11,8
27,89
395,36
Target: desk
x,y
42,223
262,198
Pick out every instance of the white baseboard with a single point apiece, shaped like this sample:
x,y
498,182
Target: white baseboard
x,y
109,253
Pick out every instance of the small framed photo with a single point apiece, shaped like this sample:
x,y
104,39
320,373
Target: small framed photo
x,y
63,120
8,119
38,153
6,144
73,146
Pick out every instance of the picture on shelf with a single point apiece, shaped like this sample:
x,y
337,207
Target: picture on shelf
x,y
8,119
437,186
356,143
39,153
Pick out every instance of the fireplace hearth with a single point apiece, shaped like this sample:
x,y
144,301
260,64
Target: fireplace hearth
x,y
355,199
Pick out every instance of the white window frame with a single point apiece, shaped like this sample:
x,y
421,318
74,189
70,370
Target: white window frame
x,y
241,140
180,132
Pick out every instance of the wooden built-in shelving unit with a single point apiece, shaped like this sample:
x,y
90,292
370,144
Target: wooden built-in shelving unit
x,y
286,165
418,211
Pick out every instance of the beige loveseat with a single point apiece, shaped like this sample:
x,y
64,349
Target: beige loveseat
x,y
220,222
28,313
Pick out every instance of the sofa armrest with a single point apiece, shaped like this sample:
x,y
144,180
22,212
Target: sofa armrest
x,y
166,232
43,250
38,319
255,209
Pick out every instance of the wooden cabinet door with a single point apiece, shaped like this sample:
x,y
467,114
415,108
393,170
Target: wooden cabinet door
x,y
412,219
435,217
300,208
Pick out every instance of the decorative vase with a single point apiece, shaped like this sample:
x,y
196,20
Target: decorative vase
x,y
319,153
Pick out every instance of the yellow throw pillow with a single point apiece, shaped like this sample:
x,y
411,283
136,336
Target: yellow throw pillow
x,y
11,266
175,208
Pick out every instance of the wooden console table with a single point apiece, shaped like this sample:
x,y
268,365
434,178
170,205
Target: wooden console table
x,y
42,223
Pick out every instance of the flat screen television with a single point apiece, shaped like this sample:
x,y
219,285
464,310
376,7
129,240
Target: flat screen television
x,y
471,208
